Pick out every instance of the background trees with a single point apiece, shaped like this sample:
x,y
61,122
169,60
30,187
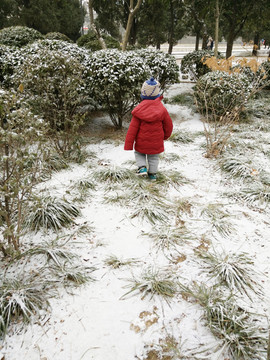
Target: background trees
x,y
233,19
145,22
64,16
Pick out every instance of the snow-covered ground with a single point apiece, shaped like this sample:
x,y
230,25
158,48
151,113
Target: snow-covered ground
x,y
96,321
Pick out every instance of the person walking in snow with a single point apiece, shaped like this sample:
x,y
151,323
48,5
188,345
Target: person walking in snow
x,y
150,125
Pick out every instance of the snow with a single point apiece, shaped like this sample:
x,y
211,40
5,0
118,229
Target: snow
x,y
96,321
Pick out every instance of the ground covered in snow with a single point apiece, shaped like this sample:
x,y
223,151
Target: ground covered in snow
x,y
154,247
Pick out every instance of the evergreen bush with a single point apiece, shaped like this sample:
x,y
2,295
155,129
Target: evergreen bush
x,y
22,140
163,66
54,88
192,63
219,92
57,36
90,41
265,68
10,58
115,80
67,48
19,36
221,97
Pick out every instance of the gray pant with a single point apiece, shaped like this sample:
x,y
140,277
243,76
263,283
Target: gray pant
x,y
151,159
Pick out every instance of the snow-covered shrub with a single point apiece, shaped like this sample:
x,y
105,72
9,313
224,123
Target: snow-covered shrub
x,y
22,138
90,41
265,68
192,63
220,98
19,36
115,80
65,47
10,58
219,92
246,70
163,66
54,88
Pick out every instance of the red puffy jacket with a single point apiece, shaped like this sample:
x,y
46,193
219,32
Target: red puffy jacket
x,y
150,125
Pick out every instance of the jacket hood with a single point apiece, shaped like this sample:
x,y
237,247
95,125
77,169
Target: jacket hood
x,y
149,110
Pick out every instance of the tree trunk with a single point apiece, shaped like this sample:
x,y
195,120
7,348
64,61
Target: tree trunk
x,y
171,34
93,26
256,45
204,41
131,16
197,41
217,14
133,33
229,48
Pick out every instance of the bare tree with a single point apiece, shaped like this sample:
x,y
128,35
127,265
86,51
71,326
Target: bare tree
x,y
132,12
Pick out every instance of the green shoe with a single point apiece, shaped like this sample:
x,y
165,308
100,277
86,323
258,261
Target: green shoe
x,y
152,177
142,171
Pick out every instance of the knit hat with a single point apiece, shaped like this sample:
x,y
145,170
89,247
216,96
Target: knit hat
x,y
150,89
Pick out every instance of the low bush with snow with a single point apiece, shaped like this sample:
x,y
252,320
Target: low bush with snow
x,y
90,41
53,86
163,66
21,153
115,80
192,63
220,92
19,36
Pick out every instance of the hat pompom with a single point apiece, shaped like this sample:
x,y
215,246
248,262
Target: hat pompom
x,y
150,89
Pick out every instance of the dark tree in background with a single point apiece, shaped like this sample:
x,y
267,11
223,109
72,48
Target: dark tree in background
x,y
176,26
153,19
109,16
201,19
233,20
8,12
258,25
64,16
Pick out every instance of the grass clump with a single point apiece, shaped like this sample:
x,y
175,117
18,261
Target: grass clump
x,y
185,98
255,193
21,298
182,137
77,274
218,219
153,282
154,211
84,185
83,188
56,162
113,174
53,251
236,271
51,213
172,178
238,167
239,334
117,197
168,237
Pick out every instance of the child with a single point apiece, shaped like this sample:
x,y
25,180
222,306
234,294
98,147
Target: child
x,y
149,127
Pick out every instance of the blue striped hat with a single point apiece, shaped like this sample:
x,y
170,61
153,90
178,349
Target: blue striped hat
x,y
150,89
